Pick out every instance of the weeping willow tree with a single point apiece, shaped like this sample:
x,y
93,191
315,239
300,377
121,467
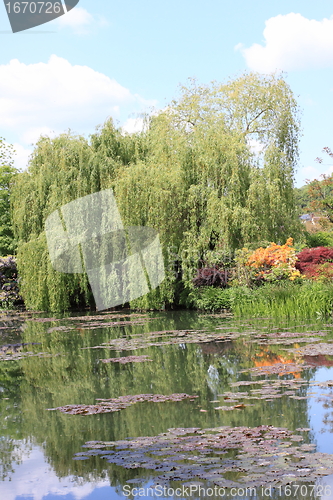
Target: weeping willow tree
x,y
228,196
191,174
61,170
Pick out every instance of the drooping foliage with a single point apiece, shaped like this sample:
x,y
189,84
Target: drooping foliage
x,y
190,174
61,170
7,174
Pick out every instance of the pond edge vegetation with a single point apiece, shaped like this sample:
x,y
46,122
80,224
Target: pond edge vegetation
x,y
194,175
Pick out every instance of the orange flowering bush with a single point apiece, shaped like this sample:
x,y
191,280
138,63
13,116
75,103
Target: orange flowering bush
x,y
273,263
273,255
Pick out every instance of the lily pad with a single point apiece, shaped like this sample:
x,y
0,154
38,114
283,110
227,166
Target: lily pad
x,y
278,369
202,454
314,349
127,359
116,404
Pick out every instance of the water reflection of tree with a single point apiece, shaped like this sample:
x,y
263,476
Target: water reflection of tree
x,y
79,377
11,377
11,455
327,404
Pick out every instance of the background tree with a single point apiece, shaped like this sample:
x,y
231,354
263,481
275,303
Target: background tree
x,y
7,175
321,191
302,199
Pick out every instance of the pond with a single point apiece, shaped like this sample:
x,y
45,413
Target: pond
x,y
246,412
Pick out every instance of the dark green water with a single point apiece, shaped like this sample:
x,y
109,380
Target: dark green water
x,y
37,445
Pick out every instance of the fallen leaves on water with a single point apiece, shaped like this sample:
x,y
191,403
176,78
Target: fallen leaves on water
x,y
222,334
268,390
94,321
16,347
252,455
115,404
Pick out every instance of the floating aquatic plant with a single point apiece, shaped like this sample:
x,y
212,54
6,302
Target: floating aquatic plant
x,y
315,349
251,455
161,338
278,369
127,359
11,352
116,404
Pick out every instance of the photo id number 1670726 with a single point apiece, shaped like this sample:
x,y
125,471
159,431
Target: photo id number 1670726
x,y
305,490
34,8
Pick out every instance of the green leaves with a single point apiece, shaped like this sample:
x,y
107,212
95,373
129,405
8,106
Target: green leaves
x,y
189,174
7,176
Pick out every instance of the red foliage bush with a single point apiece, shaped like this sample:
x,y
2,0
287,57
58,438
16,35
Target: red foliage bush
x,y
310,261
211,276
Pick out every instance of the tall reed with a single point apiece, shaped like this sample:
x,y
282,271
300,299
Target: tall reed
x,y
307,300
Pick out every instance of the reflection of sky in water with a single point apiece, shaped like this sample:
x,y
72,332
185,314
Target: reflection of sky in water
x,y
322,433
34,479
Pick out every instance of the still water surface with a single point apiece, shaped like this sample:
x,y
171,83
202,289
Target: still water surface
x,y
38,446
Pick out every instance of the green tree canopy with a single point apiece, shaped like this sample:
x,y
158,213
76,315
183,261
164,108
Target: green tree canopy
x,y
190,174
7,174
320,192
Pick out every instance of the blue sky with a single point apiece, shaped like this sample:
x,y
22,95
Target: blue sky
x,y
121,58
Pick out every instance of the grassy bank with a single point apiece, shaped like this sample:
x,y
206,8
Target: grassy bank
x,y
309,299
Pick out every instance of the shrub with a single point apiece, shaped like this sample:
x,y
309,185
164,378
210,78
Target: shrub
x,y
211,299
319,239
211,276
9,288
316,263
273,263
272,256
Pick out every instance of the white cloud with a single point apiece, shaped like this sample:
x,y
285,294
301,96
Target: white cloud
x,y
32,135
80,20
133,125
55,96
21,156
292,42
